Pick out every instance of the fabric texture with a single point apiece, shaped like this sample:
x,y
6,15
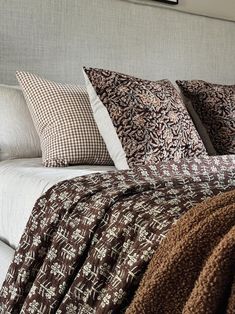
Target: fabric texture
x,y
193,269
89,239
128,38
6,257
149,118
199,126
18,137
20,175
63,118
215,105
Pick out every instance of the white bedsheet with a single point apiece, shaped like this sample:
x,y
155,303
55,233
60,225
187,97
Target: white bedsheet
x,y
22,181
6,256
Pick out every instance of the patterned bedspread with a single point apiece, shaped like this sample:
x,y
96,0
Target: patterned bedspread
x,y
88,240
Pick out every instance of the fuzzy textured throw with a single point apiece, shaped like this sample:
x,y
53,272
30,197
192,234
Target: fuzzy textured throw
x,y
193,269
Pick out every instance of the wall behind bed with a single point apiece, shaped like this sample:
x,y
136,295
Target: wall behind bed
x,y
55,38
224,9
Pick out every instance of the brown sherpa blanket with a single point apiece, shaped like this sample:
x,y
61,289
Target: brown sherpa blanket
x,y
193,269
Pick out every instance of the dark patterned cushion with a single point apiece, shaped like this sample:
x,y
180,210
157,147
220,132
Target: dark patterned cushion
x,y
215,105
149,122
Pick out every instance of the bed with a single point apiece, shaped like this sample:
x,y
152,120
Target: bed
x,y
82,34
22,182
29,176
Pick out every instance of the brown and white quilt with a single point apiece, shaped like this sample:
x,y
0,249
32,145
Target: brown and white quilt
x,y
89,240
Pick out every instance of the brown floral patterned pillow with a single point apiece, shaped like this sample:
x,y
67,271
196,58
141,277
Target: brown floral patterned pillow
x,y
215,105
141,121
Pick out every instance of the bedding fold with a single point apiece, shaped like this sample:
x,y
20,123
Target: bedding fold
x,y
89,240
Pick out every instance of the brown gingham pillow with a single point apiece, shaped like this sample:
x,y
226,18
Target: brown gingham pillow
x,y
215,106
141,121
63,119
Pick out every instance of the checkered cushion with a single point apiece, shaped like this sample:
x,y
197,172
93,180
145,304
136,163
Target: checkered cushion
x,y
63,119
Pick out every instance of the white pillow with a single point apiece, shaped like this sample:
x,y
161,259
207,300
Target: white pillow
x,y
18,137
106,128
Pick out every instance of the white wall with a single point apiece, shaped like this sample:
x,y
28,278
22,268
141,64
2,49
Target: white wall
x,y
56,38
224,9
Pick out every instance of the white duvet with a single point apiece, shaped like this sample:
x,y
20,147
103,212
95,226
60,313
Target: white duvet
x,y
22,181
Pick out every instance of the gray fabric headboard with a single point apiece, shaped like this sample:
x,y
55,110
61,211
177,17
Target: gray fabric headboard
x,y
55,38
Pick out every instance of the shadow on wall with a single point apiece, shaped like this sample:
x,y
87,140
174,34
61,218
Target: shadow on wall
x,y
224,10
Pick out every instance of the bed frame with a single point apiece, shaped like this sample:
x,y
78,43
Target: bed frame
x,y
55,38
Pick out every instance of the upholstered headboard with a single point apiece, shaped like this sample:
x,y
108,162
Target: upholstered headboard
x,y
55,38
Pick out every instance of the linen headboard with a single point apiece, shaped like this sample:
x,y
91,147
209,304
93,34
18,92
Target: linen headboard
x,y
55,38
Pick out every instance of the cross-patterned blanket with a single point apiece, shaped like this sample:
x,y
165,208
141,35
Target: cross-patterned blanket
x,y
88,240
